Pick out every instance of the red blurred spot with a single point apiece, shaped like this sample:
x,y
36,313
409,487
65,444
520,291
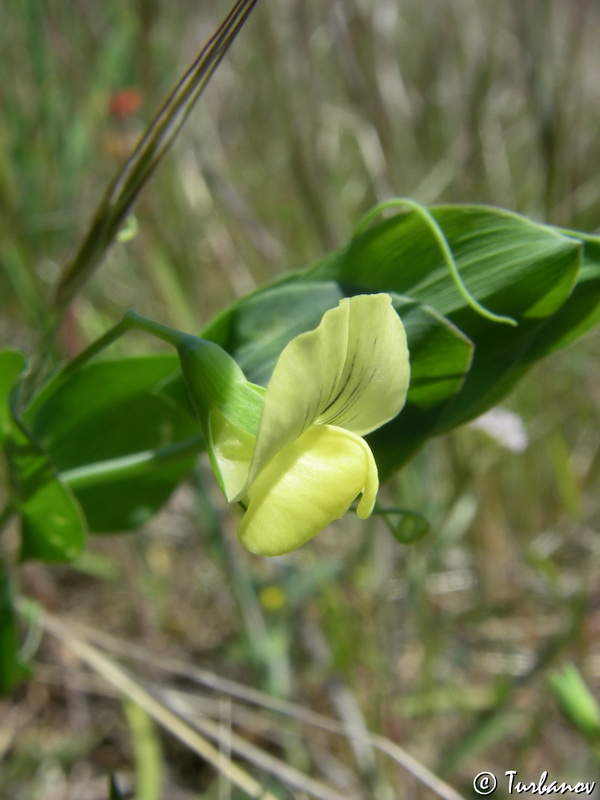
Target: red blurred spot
x,y
125,102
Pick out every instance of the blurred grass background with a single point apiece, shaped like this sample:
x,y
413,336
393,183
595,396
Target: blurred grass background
x,y
318,111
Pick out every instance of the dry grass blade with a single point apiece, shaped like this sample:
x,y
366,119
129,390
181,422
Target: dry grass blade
x,y
250,752
125,684
255,697
189,733
127,184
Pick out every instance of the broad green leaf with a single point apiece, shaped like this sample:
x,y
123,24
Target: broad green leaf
x,y
580,313
52,526
440,356
11,669
536,339
120,440
511,265
499,362
12,364
257,328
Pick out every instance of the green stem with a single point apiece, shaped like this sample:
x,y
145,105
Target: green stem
x,y
96,347
128,466
76,363
440,238
172,336
131,321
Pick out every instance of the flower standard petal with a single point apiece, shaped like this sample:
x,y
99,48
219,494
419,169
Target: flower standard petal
x,y
308,484
303,383
351,371
374,381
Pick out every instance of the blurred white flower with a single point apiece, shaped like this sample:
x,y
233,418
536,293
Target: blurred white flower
x,y
506,427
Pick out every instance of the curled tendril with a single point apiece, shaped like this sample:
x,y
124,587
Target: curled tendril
x,y
440,238
411,526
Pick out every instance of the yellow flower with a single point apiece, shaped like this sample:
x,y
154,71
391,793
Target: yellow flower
x,y
307,461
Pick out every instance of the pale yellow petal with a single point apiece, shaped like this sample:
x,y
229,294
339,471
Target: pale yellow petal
x,y
231,452
372,387
352,371
303,383
308,484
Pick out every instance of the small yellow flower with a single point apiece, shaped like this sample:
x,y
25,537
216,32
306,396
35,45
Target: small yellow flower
x,y
307,461
272,598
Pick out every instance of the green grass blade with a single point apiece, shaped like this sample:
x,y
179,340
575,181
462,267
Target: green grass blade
x,y
122,193
147,751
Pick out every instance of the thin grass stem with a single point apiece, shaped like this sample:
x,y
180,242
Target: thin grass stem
x,y
118,201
